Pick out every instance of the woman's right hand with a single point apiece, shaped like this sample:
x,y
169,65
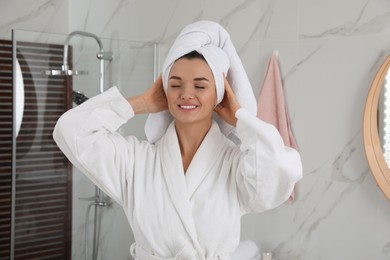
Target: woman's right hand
x,y
155,97
153,100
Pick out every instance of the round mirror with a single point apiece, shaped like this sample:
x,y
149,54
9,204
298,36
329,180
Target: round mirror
x,y
376,127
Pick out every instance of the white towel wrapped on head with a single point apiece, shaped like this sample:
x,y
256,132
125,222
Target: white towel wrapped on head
x,y
212,41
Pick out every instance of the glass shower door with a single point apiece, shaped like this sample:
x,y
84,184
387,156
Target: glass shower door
x,y
42,179
45,200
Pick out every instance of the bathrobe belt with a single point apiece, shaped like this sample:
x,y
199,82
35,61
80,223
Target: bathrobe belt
x,y
187,253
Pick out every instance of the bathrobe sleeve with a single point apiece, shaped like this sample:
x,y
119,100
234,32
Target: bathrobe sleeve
x,y
88,136
267,169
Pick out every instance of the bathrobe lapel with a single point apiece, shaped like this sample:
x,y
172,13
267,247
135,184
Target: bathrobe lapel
x,y
174,175
204,159
183,186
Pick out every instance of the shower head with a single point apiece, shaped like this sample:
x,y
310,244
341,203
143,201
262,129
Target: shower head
x,y
65,72
78,97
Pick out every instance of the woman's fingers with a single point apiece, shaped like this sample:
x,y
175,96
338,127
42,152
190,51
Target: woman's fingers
x,y
227,108
230,97
155,97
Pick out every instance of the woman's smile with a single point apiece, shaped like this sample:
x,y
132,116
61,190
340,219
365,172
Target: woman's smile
x,y
188,107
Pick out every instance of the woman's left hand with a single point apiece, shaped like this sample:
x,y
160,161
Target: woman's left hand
x,y
229,105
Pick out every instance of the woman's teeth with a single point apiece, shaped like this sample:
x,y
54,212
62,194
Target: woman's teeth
x,y
187,107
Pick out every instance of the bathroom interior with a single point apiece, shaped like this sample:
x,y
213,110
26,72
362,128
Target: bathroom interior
x,y
329,54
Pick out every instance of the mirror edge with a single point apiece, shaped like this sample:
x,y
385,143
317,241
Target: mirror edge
x,y
372,145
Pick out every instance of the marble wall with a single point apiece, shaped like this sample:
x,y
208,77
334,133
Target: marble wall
x,y
329,52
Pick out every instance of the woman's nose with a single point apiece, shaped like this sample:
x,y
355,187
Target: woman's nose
x,y
187,93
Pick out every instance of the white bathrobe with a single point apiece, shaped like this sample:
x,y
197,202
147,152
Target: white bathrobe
x,y
176,214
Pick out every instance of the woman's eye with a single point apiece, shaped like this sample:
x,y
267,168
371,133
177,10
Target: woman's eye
x,y
175,86
199,87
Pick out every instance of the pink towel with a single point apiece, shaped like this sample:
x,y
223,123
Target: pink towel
x,y
271,105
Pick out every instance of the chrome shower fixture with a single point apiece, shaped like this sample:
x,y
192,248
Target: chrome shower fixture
x,y
65,72
102,55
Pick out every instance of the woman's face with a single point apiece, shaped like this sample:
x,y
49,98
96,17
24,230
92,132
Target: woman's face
x,y
191,92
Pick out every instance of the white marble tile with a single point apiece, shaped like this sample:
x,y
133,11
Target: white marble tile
x,y
328,19
40,16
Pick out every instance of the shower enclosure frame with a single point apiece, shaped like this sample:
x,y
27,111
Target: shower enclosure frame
x,y
15,44
66,70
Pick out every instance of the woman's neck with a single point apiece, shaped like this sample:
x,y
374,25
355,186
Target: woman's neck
x,y
190,138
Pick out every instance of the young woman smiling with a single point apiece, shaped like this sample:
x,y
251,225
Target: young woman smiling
x,y
183,194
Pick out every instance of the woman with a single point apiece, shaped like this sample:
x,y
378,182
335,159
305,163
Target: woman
x,y
183,194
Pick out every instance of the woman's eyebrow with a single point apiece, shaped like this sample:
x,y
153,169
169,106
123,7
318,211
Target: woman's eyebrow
x,y
201,79
175,77
195,79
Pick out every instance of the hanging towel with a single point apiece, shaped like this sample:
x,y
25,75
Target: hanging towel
x,y
271,105
212,41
